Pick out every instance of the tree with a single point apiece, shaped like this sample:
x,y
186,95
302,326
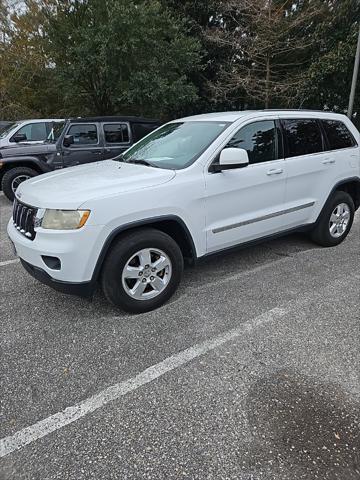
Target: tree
x,y
200,16
269,41
116,56
328,79
27,86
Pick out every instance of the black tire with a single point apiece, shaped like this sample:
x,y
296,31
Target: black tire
x,y
321,233
122,251
11,175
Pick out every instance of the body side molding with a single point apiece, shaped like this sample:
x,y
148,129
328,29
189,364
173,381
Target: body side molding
x,y
264,217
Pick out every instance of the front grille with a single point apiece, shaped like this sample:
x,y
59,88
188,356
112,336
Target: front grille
x,y
24,218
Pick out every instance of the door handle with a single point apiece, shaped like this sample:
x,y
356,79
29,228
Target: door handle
x,y
328,161
274,171
98,152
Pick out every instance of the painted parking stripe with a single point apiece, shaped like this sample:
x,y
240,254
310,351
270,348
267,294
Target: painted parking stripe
x,y
71,414
9,262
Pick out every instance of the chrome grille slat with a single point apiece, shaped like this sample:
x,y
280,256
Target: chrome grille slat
x,y
23,218
17,217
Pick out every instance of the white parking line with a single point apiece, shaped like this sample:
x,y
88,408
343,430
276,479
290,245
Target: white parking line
x,y
72,414
9,262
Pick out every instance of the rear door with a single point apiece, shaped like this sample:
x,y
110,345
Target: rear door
x,y
117,138
310,169
87,146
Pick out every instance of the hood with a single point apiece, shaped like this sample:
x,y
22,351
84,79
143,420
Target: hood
x,y
71,187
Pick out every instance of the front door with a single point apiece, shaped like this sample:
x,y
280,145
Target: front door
x,y
247,203
87,146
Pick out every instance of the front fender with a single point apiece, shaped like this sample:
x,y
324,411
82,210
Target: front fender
x,y
29,161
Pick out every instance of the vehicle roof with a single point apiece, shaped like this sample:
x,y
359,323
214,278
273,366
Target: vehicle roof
x,y
114,118
37,120
234,116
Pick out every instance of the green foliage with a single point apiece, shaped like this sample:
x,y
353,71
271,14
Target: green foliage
x,y
125,56
167,58
327,81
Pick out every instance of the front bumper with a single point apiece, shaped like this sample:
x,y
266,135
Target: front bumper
x,y
84,289
77,250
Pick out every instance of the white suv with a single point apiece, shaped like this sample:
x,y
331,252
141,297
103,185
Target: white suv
x,y
191,188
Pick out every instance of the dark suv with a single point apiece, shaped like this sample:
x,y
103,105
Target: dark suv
x,y
82,140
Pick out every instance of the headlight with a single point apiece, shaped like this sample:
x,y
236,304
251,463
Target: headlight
x,y
64,219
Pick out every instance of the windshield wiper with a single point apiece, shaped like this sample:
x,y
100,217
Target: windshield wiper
x,y
140,161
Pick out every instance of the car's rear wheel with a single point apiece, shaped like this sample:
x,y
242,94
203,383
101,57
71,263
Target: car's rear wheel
x,y
335,220
142,270
13,178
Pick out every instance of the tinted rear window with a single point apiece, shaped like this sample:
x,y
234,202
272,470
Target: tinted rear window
x,y
303,137
338,136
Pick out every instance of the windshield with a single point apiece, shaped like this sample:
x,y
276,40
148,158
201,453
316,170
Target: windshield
x,y
55,132
175,145
7,129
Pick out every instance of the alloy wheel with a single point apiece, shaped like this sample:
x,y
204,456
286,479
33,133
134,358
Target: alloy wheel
x,y
146,274
339,220
17,180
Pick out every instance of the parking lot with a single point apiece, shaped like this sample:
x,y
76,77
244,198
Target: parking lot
x,y
250,372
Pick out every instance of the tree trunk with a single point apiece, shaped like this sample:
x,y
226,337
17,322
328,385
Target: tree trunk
x,y
267,83
267,80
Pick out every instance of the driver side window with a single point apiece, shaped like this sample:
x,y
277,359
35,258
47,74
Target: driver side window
x,y
84,134
259,139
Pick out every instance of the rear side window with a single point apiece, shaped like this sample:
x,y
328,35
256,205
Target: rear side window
x,y
116,133
303,137
338,136
142,129
258,139
84,134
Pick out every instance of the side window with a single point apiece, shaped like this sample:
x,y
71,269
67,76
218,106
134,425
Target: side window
x,y
303,137
258,139
34,131
337,134
84,134
116,133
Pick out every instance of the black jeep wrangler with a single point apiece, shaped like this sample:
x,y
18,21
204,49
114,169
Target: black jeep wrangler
x,y
82,140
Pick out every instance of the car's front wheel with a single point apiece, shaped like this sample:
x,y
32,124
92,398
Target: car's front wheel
x,y
13,178
142,270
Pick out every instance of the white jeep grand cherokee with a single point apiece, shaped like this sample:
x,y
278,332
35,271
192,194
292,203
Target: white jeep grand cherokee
x,y
193,187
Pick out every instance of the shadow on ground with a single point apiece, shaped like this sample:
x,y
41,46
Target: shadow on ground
x,y
299,424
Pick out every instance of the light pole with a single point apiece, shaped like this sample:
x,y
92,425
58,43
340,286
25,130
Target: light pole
x,y
354,78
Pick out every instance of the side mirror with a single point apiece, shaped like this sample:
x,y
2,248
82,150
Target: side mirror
x,y
68,140
231,158
19,137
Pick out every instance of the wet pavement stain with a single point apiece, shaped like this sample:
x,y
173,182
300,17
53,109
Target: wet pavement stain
x,y
304,428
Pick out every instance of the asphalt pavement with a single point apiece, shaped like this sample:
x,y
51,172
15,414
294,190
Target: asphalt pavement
x,y
251,371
